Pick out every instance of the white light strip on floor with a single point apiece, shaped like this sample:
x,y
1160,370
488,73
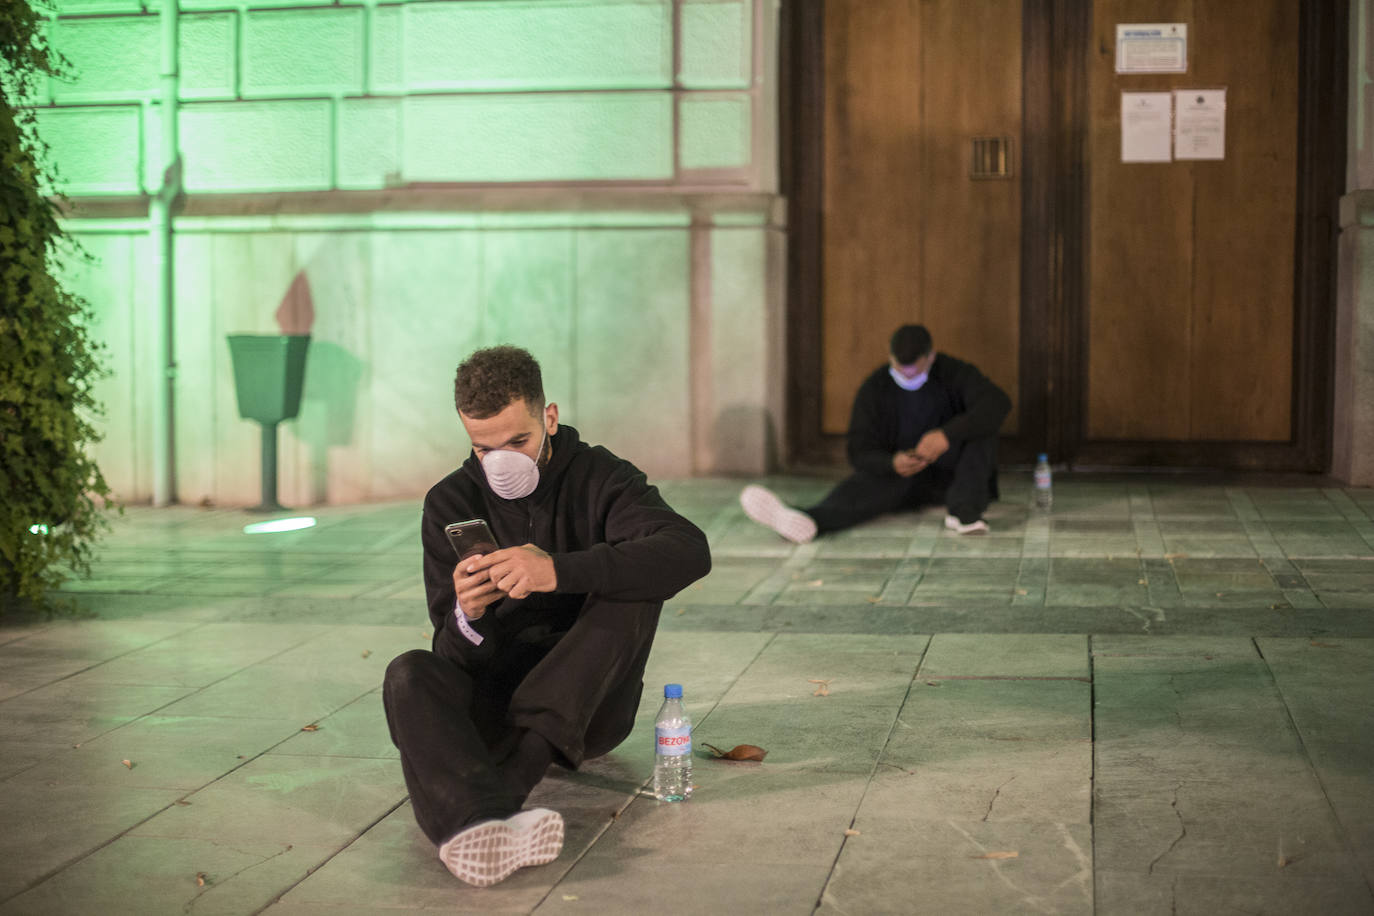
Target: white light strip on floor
x,y
279,524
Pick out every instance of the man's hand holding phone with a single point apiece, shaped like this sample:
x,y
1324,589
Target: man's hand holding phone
x,y
474,588
905,463
921,456
517,572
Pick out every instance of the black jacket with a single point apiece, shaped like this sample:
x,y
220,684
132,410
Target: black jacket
x,y
608,530
971,406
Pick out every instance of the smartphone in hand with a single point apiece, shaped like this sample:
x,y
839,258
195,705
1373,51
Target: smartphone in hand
x,y
470,538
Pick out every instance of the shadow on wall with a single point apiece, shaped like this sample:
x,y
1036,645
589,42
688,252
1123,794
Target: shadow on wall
x,y
328,409
329,401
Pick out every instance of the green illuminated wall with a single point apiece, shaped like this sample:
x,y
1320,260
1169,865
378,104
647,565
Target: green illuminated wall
x,y
594,180
354,96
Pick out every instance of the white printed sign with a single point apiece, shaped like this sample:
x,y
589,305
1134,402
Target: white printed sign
x,y
1145,124
1199,123
1160,47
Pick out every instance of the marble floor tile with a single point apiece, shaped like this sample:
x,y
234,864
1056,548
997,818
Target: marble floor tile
x,y
1154,697
951,866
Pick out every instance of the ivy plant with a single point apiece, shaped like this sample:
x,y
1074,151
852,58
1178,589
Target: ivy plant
x,y
52,494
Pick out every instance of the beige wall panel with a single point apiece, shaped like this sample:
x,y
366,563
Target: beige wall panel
x,y
417,340
741,430
527,300
108,283
196,400
633,369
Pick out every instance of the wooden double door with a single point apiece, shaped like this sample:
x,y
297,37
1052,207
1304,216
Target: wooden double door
x,y
960,165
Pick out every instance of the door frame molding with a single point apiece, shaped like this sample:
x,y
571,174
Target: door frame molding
x,y
1053,245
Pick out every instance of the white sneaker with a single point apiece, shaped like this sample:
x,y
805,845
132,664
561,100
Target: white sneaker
x,y
762,506
489,852
978,527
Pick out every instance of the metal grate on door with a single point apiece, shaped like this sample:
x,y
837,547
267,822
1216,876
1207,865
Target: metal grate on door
x,y
991,158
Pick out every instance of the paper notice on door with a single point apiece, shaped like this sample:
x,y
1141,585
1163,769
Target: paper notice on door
x,y
1160,47
1145,126
1199,123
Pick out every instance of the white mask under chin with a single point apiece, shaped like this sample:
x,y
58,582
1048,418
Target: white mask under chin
x,y
512,475
908,384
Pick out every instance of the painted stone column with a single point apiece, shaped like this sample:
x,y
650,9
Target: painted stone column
x,y
1352,453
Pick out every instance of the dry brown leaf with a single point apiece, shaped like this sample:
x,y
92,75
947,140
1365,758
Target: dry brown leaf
x,y
200,879
932,683
310,728
1022,591
1141,582
815,583
999,855
850,831
738,752
128,763
1219,594
874,599
366,653
681,611
823,690
1323,645
183,802
569,896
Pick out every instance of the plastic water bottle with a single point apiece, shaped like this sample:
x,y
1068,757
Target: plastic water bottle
x,y
1044,493
673,748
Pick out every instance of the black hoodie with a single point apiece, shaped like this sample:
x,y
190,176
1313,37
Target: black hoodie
x,y
608,530
956,397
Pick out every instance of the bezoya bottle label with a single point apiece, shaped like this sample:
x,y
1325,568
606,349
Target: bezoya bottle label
x,y
673,742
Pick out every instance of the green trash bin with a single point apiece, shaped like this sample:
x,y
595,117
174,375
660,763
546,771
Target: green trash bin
x,y
269,375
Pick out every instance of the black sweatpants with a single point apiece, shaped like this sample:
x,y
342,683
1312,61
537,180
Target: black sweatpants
x,y
451,711
963,478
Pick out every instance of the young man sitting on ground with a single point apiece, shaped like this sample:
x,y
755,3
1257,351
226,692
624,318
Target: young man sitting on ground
x,y
539,646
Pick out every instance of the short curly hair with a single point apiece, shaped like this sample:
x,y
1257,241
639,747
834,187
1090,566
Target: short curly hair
x,y
490,379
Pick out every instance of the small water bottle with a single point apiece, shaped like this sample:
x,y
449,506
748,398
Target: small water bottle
x,y
673,748
1044,493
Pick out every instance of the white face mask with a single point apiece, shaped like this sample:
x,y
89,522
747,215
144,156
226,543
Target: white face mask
x,y
908,384
512,475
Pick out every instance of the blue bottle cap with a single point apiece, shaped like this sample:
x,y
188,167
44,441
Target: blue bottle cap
x,y
672,691
1043,457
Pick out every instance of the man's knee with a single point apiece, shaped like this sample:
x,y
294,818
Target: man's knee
x,y
408,674
985,447
627,616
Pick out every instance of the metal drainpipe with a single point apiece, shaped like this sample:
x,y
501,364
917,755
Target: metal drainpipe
x,y
164,263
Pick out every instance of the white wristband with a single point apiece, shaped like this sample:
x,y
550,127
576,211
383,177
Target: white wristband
x,y
464,627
